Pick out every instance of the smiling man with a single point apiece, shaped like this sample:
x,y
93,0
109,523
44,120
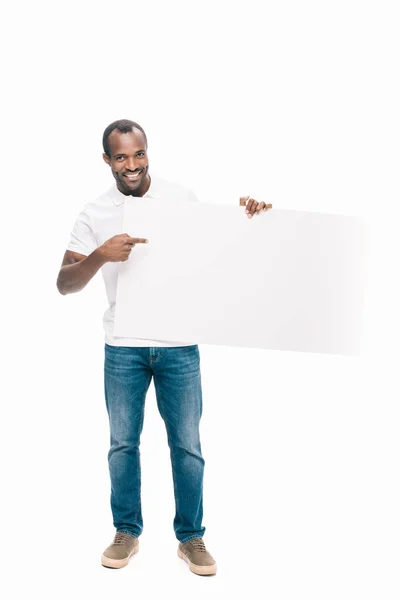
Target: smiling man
x,y
130,364
126,154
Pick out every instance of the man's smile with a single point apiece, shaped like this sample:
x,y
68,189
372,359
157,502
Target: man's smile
x,y
133,176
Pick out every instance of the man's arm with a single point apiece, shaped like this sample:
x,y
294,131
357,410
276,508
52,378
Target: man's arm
x,y
77,270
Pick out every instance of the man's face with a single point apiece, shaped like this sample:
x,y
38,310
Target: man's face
x,y
128,161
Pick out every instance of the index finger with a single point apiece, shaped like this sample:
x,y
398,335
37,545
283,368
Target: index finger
x,y
134,240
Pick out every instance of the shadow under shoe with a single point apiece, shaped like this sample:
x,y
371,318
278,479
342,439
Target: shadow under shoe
x,y
197,557
117,554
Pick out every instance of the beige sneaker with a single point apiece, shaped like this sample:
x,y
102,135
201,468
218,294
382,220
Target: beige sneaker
x,y
198,558
118,553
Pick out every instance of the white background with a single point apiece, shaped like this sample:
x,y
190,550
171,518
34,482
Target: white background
x,y
295,103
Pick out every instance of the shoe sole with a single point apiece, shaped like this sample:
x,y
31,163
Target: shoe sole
x,y
198,569
115,563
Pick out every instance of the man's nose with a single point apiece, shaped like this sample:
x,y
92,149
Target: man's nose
x,y
131,164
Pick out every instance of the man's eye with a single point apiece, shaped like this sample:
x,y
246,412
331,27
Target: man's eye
x,y
118,158
141,153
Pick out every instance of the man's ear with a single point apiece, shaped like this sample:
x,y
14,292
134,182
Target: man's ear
x,y
106,159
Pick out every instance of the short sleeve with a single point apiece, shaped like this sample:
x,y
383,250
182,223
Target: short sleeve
x,y
83,239
192,196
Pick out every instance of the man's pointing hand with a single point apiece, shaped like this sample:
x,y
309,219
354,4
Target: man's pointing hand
x,y
118,248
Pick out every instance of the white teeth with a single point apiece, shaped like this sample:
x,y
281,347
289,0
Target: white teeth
x,y
133,176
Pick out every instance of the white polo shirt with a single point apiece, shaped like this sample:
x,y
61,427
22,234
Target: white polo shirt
x,y
102,219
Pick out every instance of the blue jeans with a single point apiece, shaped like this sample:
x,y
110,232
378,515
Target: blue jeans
x,y
128,372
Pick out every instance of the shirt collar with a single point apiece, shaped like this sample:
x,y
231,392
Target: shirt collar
x,y
152,192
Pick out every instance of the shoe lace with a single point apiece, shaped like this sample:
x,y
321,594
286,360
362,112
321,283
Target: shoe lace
x,y
121,538
198,545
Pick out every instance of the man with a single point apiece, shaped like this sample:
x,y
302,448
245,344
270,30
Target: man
x,y
130,364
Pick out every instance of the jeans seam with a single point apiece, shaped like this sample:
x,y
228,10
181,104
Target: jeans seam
x,y
169,436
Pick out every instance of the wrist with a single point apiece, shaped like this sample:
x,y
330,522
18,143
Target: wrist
x,y
100,255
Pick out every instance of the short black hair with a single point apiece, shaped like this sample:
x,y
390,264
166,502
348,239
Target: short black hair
x,y
124,126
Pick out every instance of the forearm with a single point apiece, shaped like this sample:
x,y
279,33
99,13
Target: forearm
x,y
73,278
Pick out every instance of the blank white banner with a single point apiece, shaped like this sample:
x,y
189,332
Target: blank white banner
x,y
283,280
